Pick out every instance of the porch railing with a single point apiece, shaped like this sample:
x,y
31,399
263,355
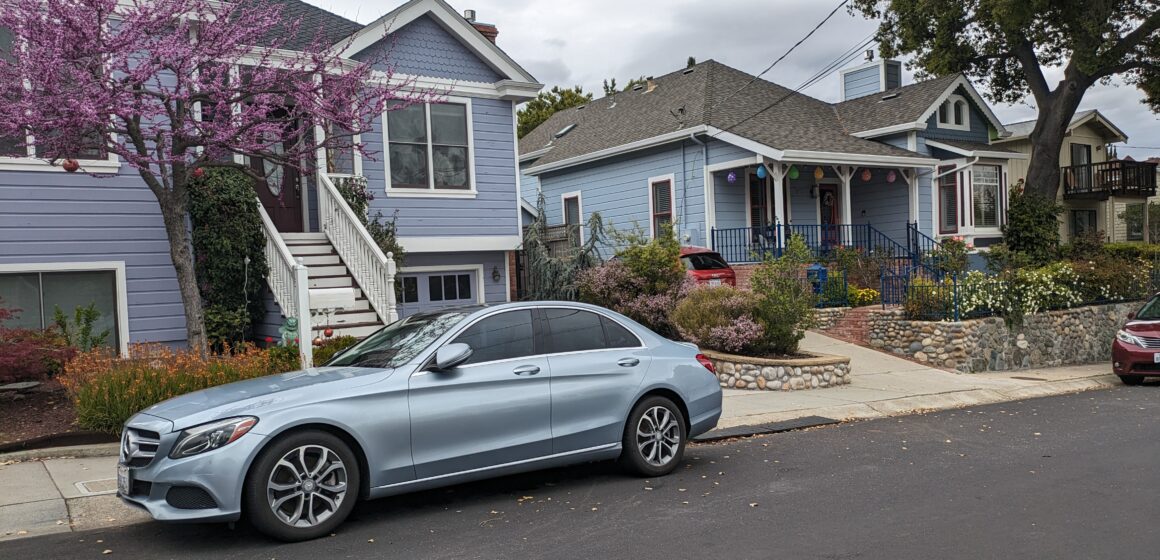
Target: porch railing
x,y
1110,178
753,244
289,280
372,270
926,250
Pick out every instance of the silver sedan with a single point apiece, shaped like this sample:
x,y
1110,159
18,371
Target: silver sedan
x,y
432,400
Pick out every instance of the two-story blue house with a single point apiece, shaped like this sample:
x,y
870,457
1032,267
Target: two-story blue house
x,y
447,170
736,162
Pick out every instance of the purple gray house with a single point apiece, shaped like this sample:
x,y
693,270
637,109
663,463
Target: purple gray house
x,y
449,170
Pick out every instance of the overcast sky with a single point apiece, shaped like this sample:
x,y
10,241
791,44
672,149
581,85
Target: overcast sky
x,y
582,43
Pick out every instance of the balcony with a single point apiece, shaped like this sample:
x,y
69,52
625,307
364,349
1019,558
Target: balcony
x,y
1111,178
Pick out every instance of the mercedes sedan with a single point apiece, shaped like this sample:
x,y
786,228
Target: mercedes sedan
x,y
432,400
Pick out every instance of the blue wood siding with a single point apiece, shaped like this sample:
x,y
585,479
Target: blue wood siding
x,y
493,212
886,206
860,83
729,200
529,187
52,217
424,48
979,132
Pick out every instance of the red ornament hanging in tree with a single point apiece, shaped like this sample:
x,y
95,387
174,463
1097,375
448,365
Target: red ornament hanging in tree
x,y
198,173
328,332
866,175
71,165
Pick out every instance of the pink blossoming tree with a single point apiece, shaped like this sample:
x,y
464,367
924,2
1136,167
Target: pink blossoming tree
x,y
173,86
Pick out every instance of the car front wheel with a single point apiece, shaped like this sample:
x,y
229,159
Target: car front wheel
x,y
302,486
654,437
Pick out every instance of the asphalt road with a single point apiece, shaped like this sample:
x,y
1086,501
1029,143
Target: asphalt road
x,y
1076,476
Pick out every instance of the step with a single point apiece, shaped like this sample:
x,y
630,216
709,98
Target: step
x,y
300,236
360,305
336,320
328,270
321,260
343,281
309,250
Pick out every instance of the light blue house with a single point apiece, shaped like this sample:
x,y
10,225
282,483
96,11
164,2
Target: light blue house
x,y
448,171
736,162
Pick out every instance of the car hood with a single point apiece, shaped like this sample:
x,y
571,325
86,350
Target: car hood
x,y
254,396
1146,328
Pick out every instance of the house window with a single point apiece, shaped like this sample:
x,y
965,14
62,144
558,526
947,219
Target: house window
x,y
572,217
954,113
410,290
429,146
1133,216
449,287
661,205
1083,222
38,295
948,201
985,184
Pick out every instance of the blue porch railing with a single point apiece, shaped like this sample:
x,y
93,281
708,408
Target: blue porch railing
x,y
754,244
925,250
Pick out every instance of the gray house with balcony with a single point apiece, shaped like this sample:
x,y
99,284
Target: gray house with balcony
x,y
738,163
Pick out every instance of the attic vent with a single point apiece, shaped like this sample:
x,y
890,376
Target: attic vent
x,y
889,96
581,107
637,87
688,70
564,131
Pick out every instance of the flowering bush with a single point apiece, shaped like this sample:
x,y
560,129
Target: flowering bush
x,y
107,389
720,318
860,297
29,354
951,255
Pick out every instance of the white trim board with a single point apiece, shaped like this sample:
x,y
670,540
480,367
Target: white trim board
x,y
579,196
671,178
458,244
122,291
477,268
431,191
932,143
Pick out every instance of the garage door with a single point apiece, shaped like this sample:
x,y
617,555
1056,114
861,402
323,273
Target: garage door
x,y
434,290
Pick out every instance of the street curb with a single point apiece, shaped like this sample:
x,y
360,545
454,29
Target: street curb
x,y
73,451
767,428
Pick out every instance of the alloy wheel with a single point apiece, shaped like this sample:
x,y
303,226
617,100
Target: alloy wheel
x,y
658,436
307,486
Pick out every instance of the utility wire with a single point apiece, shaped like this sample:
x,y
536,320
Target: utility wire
x,y
782,57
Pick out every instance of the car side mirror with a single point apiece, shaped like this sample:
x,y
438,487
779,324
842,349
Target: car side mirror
x,y
451,356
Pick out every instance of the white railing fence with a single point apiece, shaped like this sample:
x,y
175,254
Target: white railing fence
x,y
289,280
374,271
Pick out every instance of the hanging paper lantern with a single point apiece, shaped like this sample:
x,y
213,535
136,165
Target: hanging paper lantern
x,y
793,172
819,174
761,173
866,176
890,177
731,177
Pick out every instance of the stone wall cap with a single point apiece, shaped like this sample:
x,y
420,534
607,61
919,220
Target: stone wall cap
x,y
811,359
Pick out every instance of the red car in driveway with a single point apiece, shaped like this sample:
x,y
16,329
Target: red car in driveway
x,y
705,266
1136,350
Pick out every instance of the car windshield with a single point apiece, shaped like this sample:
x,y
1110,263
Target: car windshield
x,y
1150,311
399,342
704,261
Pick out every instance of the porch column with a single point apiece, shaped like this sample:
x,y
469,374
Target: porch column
x,y
845,173
777,174
911,177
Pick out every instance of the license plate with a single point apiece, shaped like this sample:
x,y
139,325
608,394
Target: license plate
x,y
717,282
124,480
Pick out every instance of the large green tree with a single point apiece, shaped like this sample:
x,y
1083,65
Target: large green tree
x,y
546,104
1008,44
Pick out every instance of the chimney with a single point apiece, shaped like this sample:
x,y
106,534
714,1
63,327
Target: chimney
x,y
650,84
875,76
488,30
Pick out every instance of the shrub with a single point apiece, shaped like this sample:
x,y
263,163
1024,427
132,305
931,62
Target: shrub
x,y
929,300
834,291
386,235
1132,251
79,334
786,306
107,389
1032,226
356,194
720,318
1001,258
655,261
29,354
229,253
860,297
1113,279
951,255
331,346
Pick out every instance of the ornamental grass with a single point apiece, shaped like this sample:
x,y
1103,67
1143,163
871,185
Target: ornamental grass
x,y
107,389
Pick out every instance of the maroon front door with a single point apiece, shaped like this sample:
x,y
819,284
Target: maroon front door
x,y
280,191
828,205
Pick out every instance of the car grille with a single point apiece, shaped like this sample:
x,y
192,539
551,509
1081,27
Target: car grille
x,y
1146,367
138,447
189,497
1149,342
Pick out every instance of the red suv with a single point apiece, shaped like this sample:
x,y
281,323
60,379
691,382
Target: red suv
x,y
1136,350
706,266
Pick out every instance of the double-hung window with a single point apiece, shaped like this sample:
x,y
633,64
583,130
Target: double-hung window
x,y
661,205
429,147
985,184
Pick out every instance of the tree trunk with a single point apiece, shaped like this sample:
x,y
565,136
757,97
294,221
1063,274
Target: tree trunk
x,y
1043,171
174,210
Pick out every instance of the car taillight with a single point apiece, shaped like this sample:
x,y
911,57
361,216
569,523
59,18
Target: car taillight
x,y
707,363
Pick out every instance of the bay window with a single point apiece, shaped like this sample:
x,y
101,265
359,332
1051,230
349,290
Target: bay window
x,y
429,147
985,184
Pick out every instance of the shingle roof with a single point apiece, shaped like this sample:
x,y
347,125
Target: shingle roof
x,y
905,104
703,95
1024,128
315,21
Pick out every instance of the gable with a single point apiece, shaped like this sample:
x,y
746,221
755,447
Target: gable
x,y
423,48
980,126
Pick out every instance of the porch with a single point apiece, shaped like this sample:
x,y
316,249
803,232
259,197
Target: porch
x,y
1100,181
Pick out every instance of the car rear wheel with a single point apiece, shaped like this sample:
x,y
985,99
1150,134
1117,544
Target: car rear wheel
x,y
1132,379
302,486
654,437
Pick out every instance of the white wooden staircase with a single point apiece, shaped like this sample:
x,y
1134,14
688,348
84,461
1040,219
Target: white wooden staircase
x,y
325,269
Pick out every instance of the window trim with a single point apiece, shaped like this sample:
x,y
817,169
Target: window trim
x,y
950,102
122,291
950,171
998,196
470,268
578,195
431,192
671,178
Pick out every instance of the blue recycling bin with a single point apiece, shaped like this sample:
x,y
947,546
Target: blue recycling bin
x,y
817,275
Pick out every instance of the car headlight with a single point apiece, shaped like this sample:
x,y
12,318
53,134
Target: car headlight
x,y
1129,338
213,435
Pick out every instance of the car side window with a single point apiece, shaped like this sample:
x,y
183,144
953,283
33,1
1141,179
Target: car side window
x,y
500,337
618,336
573,330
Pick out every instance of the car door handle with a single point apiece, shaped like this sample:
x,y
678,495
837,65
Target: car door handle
x,y
526,370
628,362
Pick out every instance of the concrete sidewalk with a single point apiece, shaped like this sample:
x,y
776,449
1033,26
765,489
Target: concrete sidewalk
x,y
53,495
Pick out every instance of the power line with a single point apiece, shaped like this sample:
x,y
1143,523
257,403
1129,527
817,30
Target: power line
x,y
787,53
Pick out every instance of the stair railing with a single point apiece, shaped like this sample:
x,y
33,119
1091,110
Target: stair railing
x,y
289,280
372,270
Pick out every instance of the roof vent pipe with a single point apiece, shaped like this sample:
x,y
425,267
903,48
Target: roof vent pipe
x,y
469,15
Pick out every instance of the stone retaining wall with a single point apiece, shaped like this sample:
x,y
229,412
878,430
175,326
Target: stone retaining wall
x,y
1056,338
814,372
827,317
